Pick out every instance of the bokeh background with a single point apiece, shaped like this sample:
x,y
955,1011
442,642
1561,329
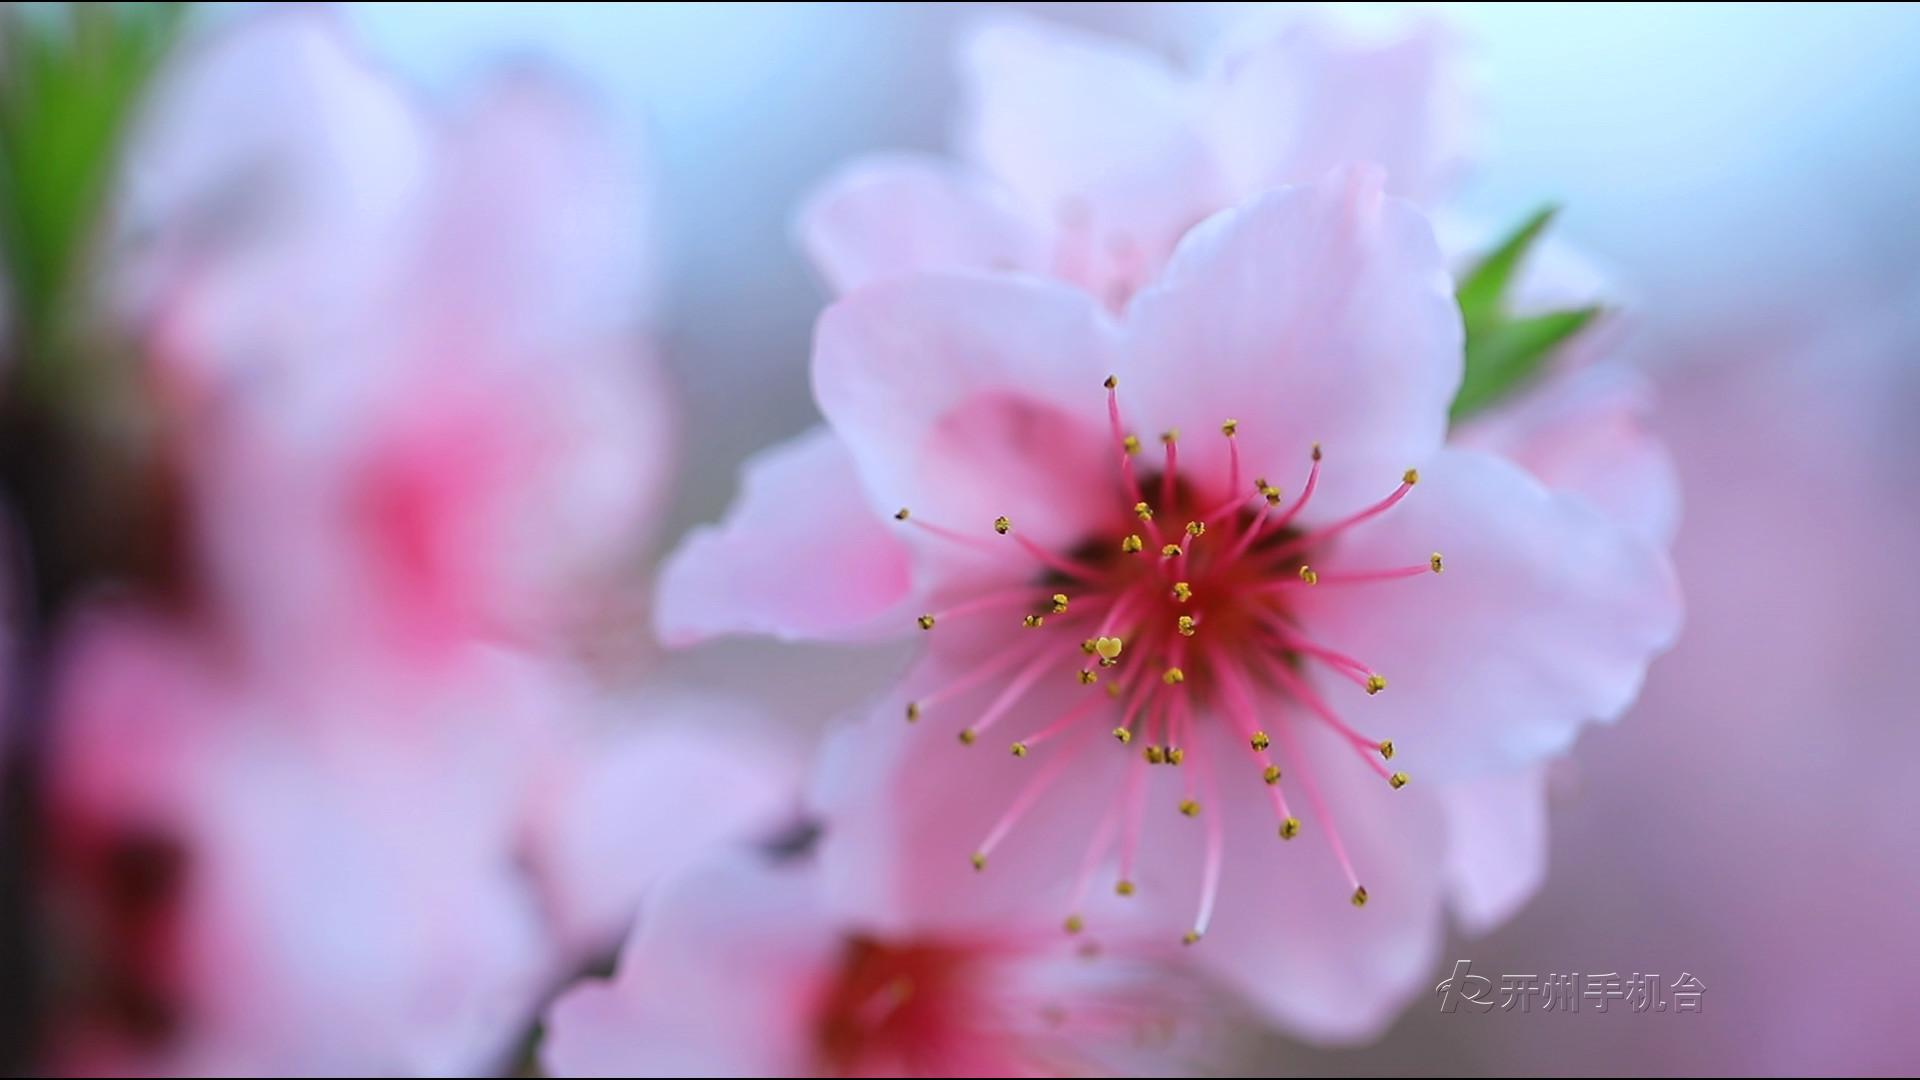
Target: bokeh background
x,y
1749,174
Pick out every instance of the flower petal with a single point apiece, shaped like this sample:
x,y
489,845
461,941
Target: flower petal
x,y
888,214
800,556
905,806
1313,314
1546,617
643,802
968,397
1496,844
718,979
1288,105
1585,433
1097,134
1286,933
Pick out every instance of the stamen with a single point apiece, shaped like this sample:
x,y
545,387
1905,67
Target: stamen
x,y
1304,694
1327,532
1171,440
1326,818
1024,801
1216,847
1013,692
1066,720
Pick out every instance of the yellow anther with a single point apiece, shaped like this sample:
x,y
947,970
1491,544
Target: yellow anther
x,y
1260,484
901,514
1175,755
1132,543
1033,622
913,711
1143,511
1273,496
1182,591
1397,780
1228,427
1271,774
1154,755
1170,435
1001,525
925,621
1386,749
1113,688
1108,647
1123,887
1190,937
1130,443
1174,675
1088,677
1411,476
1087,646
1309,575
967,735
1433,561
1189,808
979,861
1360,896
1073,924
1260,740
1196,528
1170,550
1019,749
1185,624
1316,451
1059,603
1122,735
1376,683
1290,828
1111,382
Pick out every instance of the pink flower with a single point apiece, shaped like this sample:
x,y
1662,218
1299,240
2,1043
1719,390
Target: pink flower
x,y
429,326
1087,158
1202,621
343,804
741,969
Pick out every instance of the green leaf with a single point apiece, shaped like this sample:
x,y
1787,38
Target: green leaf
x,y
1507,356
1503,352
71,78
1483,291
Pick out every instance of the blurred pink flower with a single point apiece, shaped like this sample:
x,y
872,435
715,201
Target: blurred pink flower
x,y
430,330
348,804
742,969
1087,158
1222,622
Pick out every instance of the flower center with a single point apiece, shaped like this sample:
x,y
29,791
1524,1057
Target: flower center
x,y
1177,611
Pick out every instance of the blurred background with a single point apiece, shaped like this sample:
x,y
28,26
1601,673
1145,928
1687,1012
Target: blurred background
x,y
1747,175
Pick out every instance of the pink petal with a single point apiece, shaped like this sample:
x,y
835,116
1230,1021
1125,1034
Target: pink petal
x,y
800,556
905,806
1286,934
718,979
1585,433
1097,134
1314,314
968,397
1545,617
888,214
1285,107
1496,844
643,802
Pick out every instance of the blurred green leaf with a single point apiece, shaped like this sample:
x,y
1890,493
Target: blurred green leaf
x,y
1504,352
1501,359
71,77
